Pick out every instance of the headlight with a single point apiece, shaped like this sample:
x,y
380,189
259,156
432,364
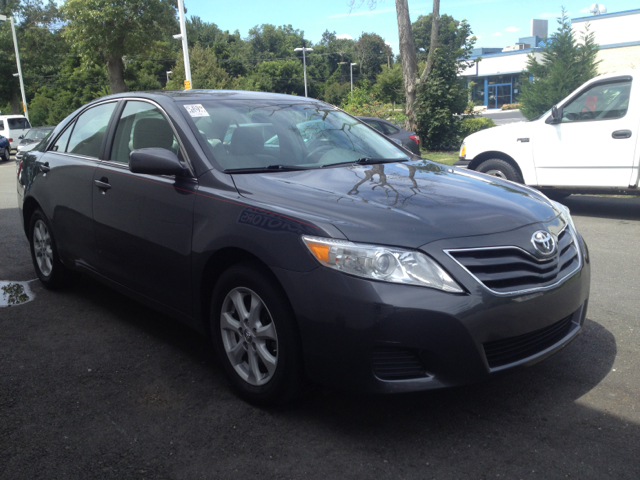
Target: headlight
x,y
463,151
388,264
564,212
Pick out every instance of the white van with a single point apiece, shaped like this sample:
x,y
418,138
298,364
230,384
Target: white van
x,y
13,127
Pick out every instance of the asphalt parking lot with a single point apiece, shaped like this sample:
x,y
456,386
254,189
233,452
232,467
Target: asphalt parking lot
x,y
94,385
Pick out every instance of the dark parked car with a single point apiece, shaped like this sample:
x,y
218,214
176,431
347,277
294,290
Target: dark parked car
x,y
5,149
328,256
407,139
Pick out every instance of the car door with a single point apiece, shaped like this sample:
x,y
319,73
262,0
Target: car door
x,y
143,223
64,189
594,144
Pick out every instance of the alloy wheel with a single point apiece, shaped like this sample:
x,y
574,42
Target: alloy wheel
x,y
42,248
249,336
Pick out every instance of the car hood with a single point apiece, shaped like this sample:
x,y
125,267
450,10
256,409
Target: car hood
x,y
404,204
517,129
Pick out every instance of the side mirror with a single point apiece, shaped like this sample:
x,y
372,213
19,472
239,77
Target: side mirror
x,y
156,161
556,115
21,137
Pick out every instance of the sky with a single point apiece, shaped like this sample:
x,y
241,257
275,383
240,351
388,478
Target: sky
x,y
495,23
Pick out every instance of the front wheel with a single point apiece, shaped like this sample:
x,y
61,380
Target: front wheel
x,y
255,335
501,169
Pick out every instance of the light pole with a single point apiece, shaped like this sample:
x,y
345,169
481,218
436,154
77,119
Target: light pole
x,y
304,62
19,75
351,73
185,47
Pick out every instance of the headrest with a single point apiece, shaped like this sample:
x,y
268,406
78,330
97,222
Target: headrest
x,y
246,141
152,132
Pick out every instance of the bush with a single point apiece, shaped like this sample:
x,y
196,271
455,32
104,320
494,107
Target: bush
x,y
473,125
510,106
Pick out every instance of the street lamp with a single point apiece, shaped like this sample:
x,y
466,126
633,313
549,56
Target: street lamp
x,y
185,47
169,72
19,74
351,72
304,61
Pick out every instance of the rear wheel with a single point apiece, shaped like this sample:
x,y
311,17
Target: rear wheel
x,y
501,169
255,335
7,155
46,261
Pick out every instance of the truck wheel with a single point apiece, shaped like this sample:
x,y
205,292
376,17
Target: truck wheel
x,y
501,169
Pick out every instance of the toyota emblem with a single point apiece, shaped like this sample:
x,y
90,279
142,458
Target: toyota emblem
x,y
544,243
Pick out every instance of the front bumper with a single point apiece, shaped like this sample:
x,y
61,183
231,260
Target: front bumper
x,y
357,334
462,163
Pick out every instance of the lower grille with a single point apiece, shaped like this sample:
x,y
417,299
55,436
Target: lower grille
x,y
510,350
396,364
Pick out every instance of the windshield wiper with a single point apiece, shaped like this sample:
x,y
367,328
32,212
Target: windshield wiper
x,y
367,161
268,168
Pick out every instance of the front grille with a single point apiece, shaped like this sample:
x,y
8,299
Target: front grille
x,y
509,270
396,364
510,350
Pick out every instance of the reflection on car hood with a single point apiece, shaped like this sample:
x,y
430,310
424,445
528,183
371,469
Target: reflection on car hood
x,y
403,204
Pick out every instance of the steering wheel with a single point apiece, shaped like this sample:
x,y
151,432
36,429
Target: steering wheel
x,y
314,155
588,115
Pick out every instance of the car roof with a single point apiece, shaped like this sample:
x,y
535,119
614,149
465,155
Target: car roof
x,y
11,116
197,95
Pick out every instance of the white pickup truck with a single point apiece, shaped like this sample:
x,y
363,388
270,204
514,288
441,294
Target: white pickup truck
x,y
588,143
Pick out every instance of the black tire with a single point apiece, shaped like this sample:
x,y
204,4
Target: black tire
x,y
500,168
44,253
6,155
267,368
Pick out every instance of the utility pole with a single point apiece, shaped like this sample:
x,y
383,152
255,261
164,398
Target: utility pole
x,y
185,46
19,74
304,61
351,74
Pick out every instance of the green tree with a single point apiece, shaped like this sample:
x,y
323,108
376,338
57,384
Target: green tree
x,y
205,71
371,53
441,96
389,87
282,76
566,64
270,42
107,30
450,34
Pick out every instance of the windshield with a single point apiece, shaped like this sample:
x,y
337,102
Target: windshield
x,y
248,134
37,133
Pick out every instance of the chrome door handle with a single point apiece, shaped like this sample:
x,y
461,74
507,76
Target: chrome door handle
x,y
102,184
621,134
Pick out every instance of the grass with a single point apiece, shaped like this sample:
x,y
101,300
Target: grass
x,y
441,157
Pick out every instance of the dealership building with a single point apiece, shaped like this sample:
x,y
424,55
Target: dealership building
x,y
496,72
